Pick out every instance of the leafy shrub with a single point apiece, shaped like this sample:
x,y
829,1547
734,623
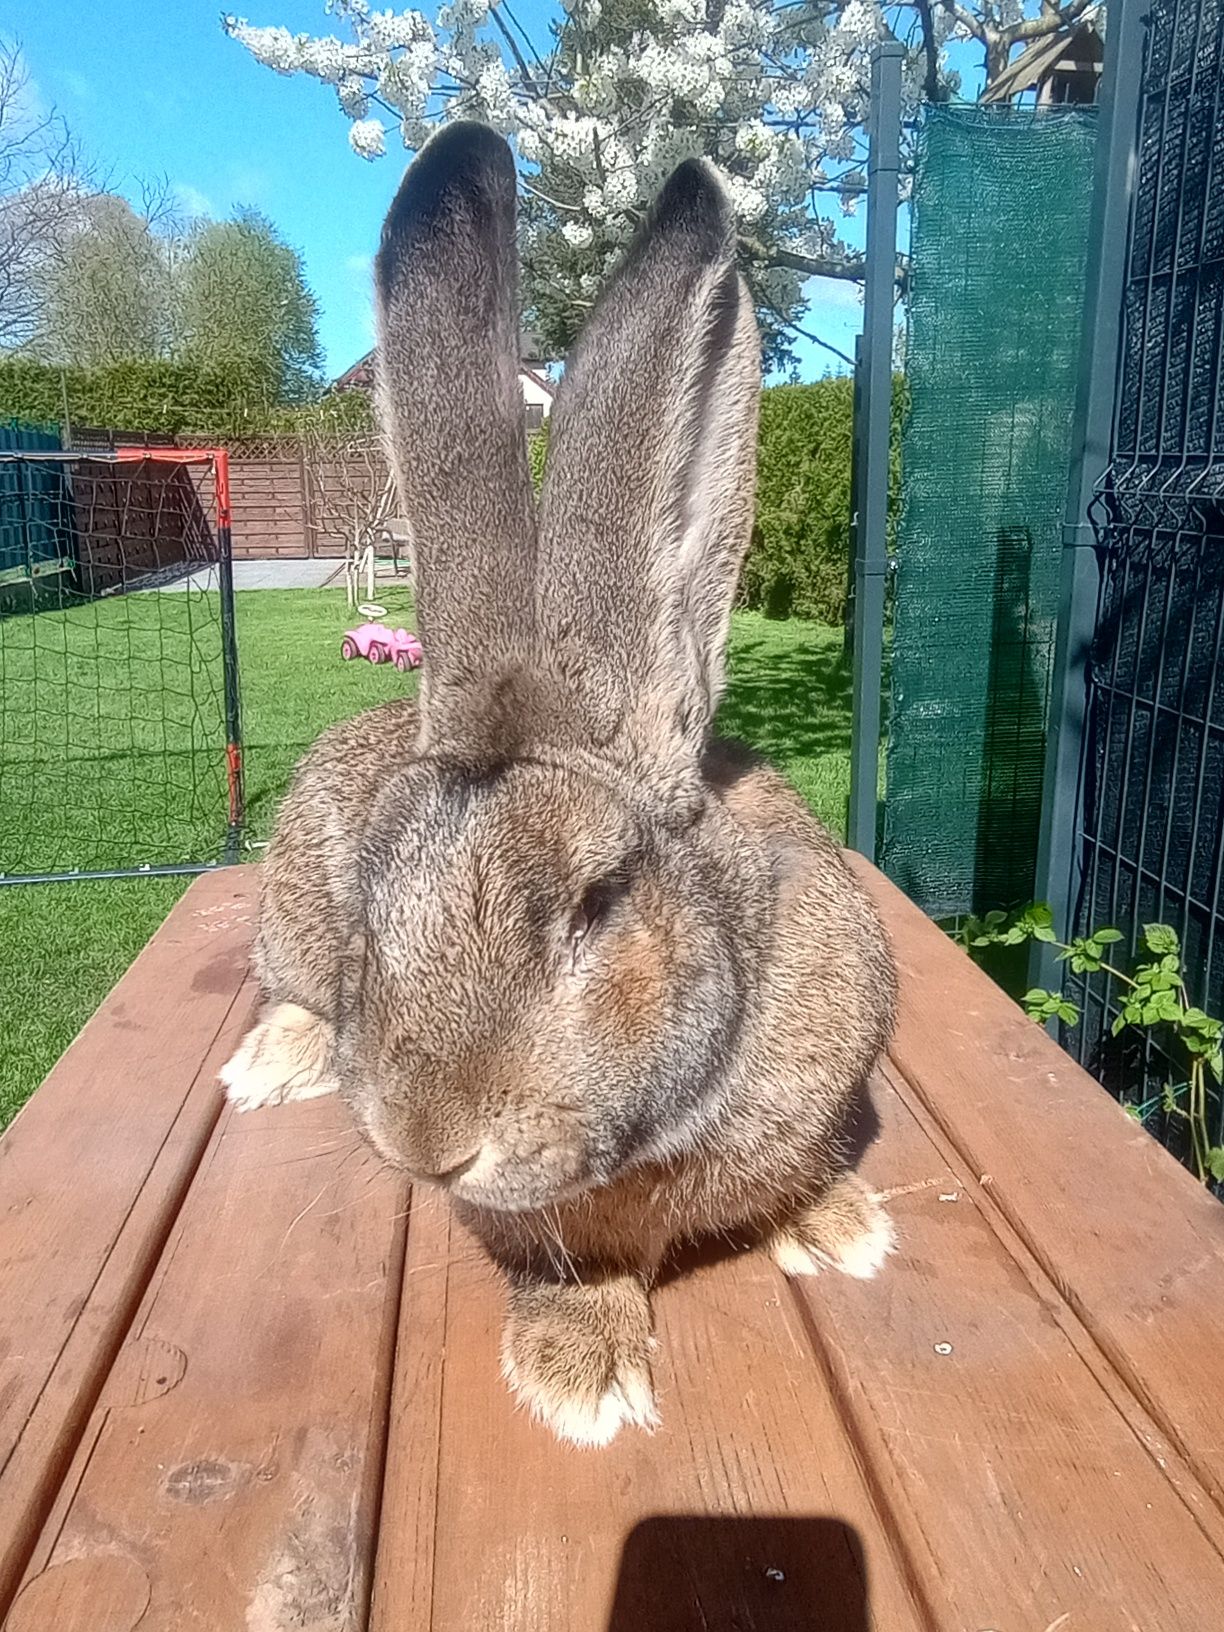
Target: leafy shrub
x,y
798,562
537,452
180,398
1151,997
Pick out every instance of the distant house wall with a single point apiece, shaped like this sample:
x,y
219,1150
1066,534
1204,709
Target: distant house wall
x,y
537,388
537,395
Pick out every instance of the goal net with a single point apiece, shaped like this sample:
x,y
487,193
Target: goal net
x,y
119,720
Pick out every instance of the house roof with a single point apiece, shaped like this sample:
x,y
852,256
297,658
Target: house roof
x,y
535,360
1077,47
360,377
542,380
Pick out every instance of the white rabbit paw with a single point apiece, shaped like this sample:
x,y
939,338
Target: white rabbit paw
x,y
847,1229
578,1359
286,1056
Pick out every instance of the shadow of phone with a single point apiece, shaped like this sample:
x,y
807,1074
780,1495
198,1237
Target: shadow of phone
x,y
695,1573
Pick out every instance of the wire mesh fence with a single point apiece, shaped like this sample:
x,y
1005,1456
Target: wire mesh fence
x,y
1151,797
119,746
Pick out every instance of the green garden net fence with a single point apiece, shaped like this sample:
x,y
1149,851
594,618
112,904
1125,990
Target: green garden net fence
x,y
999,249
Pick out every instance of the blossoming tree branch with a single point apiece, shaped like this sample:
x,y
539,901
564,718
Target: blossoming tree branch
x,y
774,92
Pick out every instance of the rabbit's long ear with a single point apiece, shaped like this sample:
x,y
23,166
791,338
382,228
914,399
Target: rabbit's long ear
x,y
452,412
648,496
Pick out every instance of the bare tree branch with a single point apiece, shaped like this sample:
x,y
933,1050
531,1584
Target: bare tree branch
x,y
44,186
806,334
971,23
849,268
999,38
512,46
931,87
352,495
1049,21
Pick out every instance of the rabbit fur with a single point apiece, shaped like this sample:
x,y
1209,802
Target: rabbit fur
x,y
600,976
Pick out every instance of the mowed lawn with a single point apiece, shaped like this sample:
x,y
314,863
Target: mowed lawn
x,y
111,754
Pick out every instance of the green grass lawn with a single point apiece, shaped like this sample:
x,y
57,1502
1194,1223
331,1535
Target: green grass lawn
x,y
788,694
101,765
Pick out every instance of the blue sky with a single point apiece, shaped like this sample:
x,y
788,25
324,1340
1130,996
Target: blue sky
x,y
159,90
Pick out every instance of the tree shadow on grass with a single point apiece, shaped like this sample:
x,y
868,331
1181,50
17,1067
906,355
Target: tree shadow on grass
x,y
789,703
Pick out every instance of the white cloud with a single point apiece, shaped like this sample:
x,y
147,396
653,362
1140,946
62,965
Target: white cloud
x,y
249,184
835,294
192,201
81,87
360,264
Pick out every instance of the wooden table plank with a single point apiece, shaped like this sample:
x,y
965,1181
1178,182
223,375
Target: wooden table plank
x,y
91,1173
972,1441
489,1524
1003,1471
234,1460
1020,1490
1132,1241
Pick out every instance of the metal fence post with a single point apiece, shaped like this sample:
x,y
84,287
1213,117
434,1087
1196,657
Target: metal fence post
x,y
1057,853
856,458
871,531
229,658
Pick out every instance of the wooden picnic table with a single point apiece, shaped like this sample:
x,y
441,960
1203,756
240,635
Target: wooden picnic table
x,y
248,1383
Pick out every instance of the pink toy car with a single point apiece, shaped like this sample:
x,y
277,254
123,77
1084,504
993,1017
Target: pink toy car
x,y
382,645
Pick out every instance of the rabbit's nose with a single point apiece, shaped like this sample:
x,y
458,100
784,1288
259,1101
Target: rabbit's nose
x,y
448,1175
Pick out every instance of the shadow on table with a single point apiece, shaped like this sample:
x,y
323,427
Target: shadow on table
x,y
690,1573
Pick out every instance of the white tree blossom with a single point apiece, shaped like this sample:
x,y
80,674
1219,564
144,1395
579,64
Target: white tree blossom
x,y
773,92
367,137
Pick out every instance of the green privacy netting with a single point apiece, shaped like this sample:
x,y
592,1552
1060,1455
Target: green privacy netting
x,y
1000,233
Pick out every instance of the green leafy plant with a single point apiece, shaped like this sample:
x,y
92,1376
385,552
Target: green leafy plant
x,y
537,453
1153,994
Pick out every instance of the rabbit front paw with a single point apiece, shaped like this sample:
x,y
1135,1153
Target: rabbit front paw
x,y
287,1056
578,1357
846,1229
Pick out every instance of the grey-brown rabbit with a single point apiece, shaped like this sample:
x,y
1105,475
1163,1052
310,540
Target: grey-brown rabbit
x,y
601,977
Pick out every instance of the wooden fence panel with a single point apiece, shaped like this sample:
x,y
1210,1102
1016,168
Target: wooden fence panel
x,y
132,522
267,495
285,504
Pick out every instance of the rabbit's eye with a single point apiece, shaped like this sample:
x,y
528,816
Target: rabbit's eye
x,y
597,902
